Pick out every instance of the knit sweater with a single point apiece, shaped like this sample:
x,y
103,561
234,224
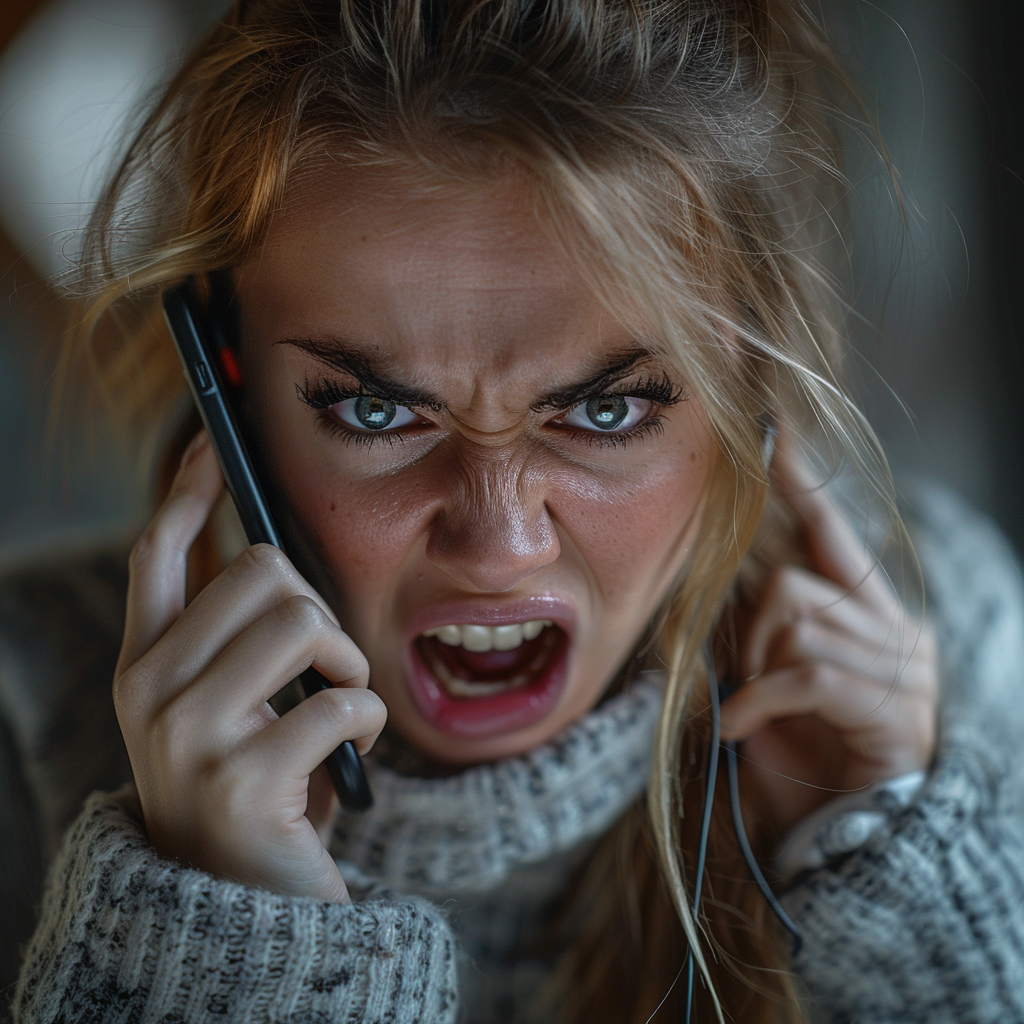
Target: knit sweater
x,y
923,922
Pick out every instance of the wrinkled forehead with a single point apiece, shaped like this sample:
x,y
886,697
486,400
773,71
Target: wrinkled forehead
x,y
451,282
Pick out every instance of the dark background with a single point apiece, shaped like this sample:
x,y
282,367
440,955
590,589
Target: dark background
x,y
937,298
945,80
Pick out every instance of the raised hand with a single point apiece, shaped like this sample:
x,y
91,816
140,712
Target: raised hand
x,y
225,784
839,684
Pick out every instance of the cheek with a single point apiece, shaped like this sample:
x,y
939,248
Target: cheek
x,y
631,532
363,528
358,526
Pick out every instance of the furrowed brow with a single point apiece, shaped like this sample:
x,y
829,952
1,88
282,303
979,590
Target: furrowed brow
x,y
618,366
346,358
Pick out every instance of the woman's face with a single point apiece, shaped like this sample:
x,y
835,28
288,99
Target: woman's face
x,y
496,481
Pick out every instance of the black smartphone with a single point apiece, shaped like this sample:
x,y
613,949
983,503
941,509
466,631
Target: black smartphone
x,y
207,358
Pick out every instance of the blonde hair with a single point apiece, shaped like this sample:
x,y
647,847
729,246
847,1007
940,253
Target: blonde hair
x,y
685,154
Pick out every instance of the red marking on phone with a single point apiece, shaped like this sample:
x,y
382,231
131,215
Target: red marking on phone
x,y
229,364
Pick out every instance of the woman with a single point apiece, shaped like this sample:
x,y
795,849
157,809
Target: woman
x,y
517,293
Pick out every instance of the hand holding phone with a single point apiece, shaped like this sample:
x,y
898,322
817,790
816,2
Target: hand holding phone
x,y
225,785
201,357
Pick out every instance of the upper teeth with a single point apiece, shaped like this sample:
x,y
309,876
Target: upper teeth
x,y
485,638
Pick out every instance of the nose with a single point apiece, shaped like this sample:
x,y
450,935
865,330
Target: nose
x,y
493,529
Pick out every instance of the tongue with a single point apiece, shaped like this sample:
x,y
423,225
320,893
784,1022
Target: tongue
x,y
486,666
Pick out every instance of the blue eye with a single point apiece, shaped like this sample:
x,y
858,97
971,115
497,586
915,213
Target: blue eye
x,y
368,412
609,413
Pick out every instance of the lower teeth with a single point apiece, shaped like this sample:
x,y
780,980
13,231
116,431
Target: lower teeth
x,y
463,688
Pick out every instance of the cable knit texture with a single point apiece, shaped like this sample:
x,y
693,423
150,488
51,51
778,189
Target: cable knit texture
x,y
924,924
495,845
465,833
128,936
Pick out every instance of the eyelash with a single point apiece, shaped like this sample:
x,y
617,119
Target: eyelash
x,y
645,428
659,390
322,393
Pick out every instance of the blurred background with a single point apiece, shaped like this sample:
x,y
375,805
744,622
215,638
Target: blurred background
x,y
939,361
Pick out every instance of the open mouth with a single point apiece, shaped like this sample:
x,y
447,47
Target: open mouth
x,y
479,661
471,679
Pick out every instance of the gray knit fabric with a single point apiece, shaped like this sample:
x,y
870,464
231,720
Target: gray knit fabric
x,y
127,936
925,923
467,832
495,845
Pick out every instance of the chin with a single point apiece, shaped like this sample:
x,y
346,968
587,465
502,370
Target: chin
x,y
442,750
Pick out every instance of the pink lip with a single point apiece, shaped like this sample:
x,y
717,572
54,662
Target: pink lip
x,y
503,712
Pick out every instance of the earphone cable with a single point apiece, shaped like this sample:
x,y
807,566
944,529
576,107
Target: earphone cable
x,y
716,695
705,825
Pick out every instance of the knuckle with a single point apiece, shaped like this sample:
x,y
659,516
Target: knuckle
x,y
360,666
339,709
264,560
378,710
302,612
800,634
125,692
819,678
149,546
783,583
823,679
170,740
126,689
353,711
788,644
132,691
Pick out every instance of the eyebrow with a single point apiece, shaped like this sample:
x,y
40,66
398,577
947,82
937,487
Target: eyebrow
x,y
616,366
372,375
370,372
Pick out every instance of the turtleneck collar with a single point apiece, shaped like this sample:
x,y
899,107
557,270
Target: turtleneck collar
x,y
467,832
